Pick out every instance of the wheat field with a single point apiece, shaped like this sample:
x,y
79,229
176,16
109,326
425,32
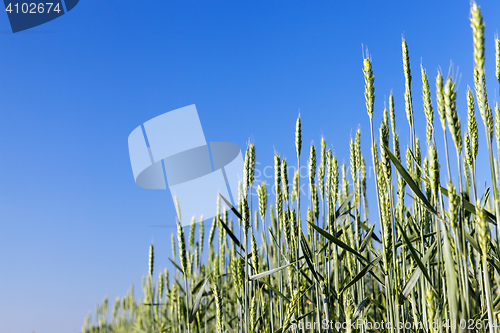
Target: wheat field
x,y
428,262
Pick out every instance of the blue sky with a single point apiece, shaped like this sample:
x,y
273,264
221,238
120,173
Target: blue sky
x,y
75,227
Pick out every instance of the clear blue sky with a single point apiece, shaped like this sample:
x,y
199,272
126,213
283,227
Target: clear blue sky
x,y
74,226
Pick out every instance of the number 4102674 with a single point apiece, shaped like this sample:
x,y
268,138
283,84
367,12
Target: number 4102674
x,y
33,8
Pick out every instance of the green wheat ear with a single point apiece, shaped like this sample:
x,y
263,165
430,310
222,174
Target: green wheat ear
x,y
468,150
497,124
357,143
497,57
335,179
249,168
384,138
255,219
477,25
328,182
453,205
352,161
428,111
472,123
284,180
252,163
407,73
483,230
440,100
218,304
262,194
363,182
431,305
451,113
246,172
182,247
312,165
409,162
197,255
255,255
151,259
298,136
202,233
245,214
418,161
345,183
167,280
392,114
161,286
321,169
277,186
315,200
192,232
369,85
434,171
295,187
253,314
173,245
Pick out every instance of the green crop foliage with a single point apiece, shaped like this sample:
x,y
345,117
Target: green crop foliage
x,y
431,257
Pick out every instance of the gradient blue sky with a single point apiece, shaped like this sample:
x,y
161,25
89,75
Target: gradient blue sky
x,y
75,227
